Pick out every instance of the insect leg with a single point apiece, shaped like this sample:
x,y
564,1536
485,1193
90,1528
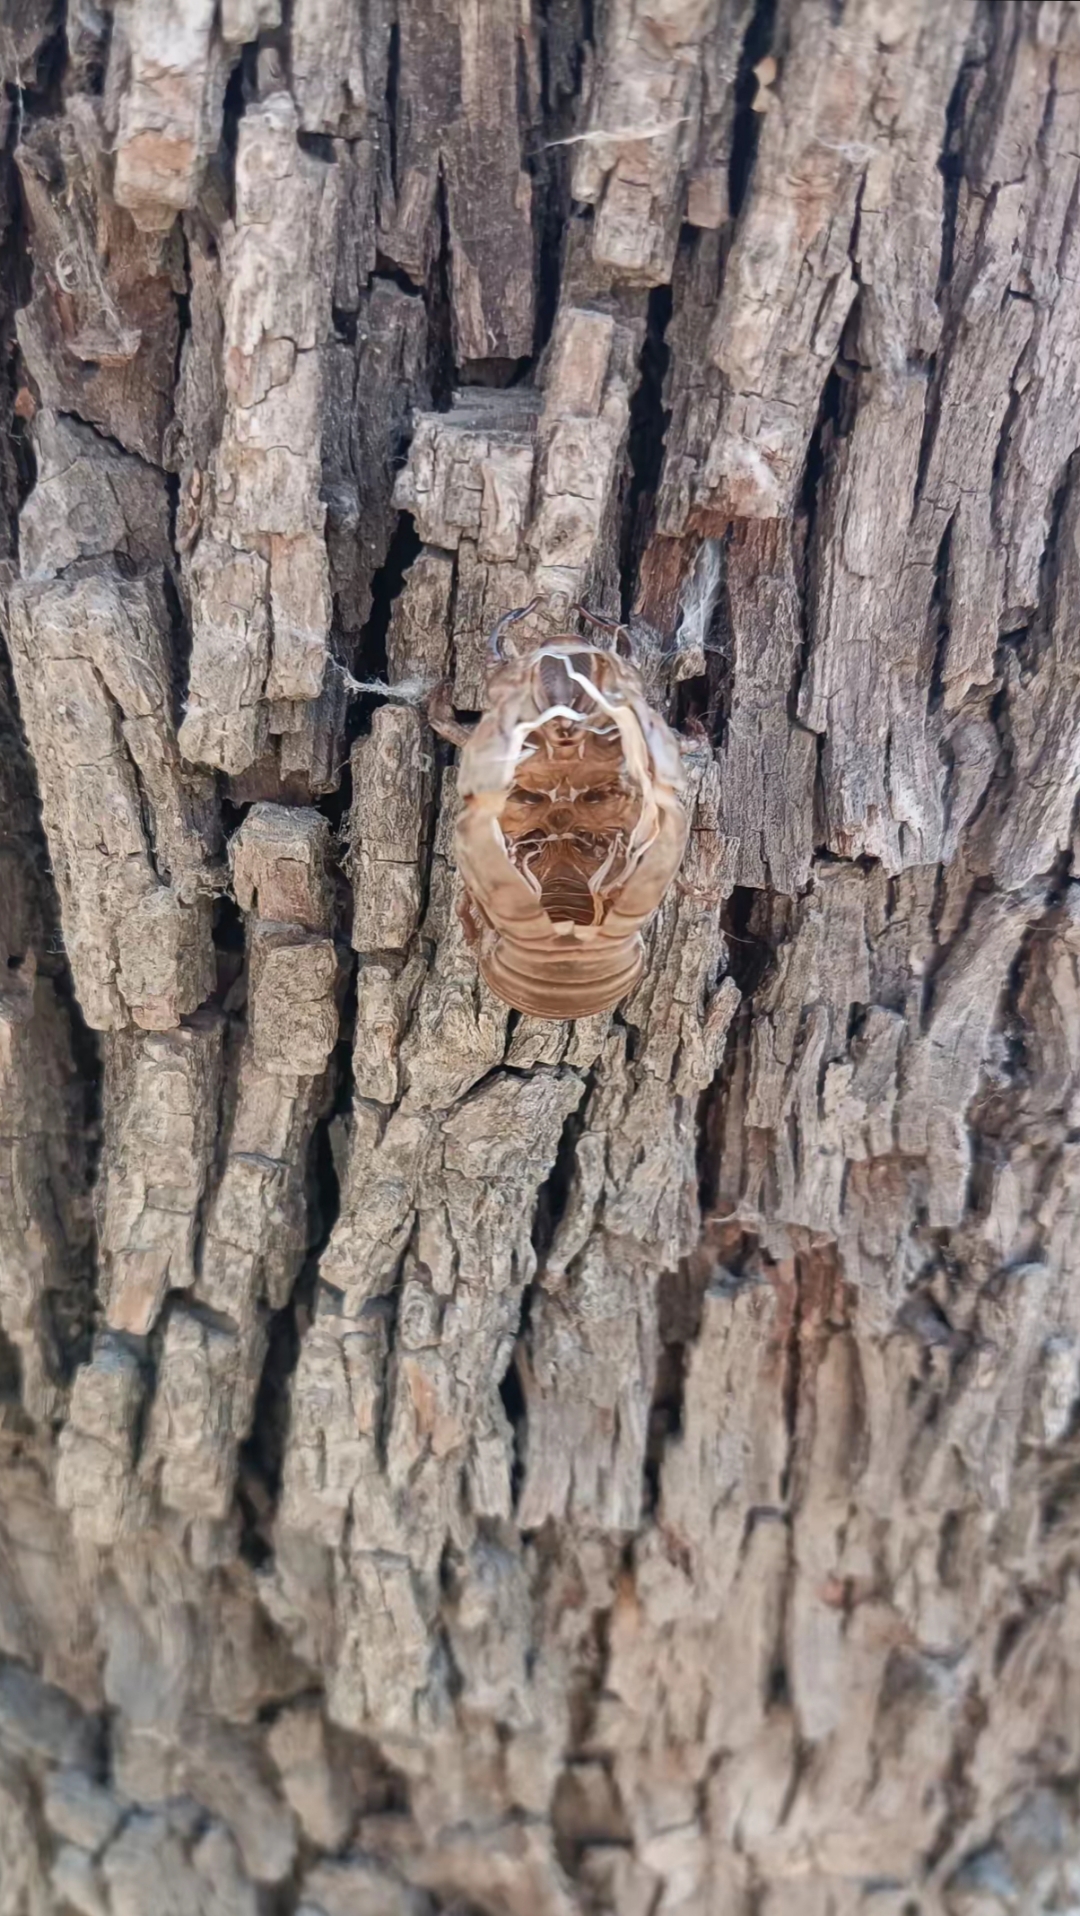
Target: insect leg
x,y
623,642
440,717
652,875
505,896
495,643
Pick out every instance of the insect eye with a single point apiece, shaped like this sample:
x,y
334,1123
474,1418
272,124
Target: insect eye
x,y
523,797
595,796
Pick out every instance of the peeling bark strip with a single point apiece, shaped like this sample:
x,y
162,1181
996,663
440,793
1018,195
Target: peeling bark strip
x,y
449,1459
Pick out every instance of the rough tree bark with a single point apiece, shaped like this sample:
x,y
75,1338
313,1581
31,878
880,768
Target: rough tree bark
x,y
451,1462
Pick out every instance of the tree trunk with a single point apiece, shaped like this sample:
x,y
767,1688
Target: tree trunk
x,y
453,1462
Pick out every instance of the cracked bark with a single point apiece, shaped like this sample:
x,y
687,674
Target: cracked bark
x,y
448,1461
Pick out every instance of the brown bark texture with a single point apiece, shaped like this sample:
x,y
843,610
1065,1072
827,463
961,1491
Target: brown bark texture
x,y
451,1461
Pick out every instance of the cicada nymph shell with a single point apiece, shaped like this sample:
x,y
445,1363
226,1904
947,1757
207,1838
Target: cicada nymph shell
x,y
571,830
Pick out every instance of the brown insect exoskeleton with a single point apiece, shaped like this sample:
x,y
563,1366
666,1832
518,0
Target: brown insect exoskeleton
x,y
572,825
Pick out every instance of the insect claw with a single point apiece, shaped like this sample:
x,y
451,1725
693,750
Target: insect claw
x,y
495,644
618,626
440,716
695,735
708,896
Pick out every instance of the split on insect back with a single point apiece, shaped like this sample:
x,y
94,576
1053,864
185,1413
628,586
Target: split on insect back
x,y
572,826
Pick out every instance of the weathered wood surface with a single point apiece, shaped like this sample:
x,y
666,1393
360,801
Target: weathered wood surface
x,y
451,1462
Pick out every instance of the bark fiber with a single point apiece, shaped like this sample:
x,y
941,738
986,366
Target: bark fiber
x,y
451,1462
